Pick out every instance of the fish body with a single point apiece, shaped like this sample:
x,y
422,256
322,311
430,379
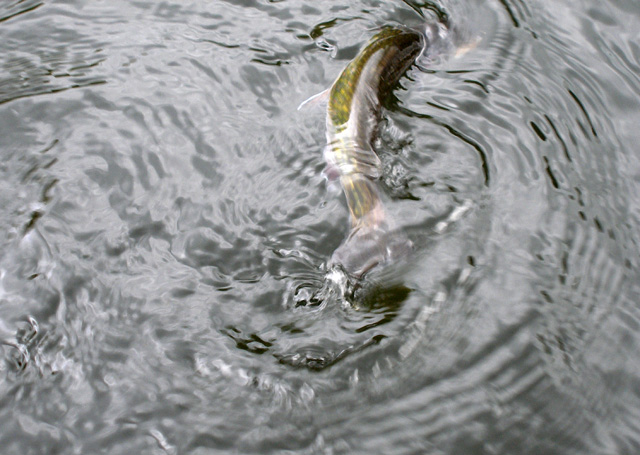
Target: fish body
x,y
353,114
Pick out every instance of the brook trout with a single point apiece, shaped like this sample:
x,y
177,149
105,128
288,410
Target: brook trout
x,y
353,114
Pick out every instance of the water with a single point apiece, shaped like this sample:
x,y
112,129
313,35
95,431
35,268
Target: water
x,y
165,229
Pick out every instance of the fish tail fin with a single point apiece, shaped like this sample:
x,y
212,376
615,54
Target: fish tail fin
x,y
368,247
372,241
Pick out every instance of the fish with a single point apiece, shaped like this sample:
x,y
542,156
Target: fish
x,y
352,118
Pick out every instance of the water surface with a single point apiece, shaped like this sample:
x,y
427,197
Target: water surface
x,y
165,228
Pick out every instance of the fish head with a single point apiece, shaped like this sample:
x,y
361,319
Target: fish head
x,y
439,42
445,39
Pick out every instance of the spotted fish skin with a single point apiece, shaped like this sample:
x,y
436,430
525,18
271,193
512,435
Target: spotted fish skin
x,y
353,114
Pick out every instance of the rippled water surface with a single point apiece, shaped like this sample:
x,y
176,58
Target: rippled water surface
x,y
165,228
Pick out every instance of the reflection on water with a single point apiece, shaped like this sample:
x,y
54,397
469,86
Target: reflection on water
x,y
166,228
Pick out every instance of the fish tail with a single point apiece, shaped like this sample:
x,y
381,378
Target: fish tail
x,y
372,240
363,200
368,246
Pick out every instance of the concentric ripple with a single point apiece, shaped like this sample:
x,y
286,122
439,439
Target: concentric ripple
x,y
166,228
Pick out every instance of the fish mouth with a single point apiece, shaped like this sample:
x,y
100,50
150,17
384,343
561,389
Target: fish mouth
x,y
370,247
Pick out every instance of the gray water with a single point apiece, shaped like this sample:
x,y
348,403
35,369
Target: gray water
x,y
165,228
